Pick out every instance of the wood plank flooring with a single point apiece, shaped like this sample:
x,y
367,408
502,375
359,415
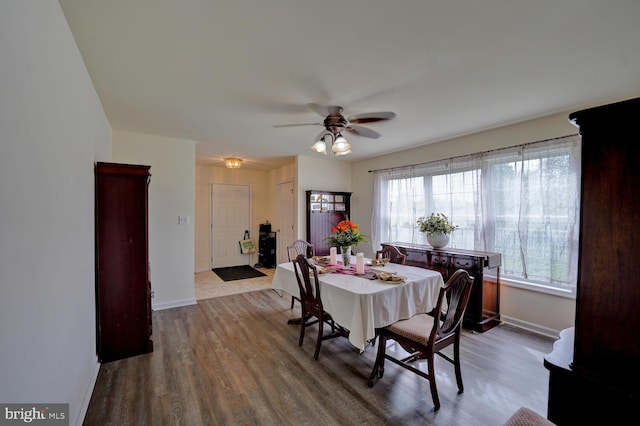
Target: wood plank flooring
x,y
234,360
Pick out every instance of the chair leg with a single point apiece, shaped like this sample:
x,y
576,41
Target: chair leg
x,y
292,300
456,363
432,384
378,365
319,341
303,325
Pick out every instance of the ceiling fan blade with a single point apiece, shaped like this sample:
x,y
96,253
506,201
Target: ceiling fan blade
x,y
371,117
318,109
324,110
363,131
297,124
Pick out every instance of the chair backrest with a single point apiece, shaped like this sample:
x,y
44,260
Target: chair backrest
x,y
455,292
393,254
300,247
309,292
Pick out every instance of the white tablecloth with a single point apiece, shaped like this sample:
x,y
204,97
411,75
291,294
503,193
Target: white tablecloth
x,y
361,305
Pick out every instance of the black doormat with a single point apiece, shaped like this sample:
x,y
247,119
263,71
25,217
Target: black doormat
x,y
232,273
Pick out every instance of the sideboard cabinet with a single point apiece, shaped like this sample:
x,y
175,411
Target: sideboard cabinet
x,y
324,210
123,289
483,311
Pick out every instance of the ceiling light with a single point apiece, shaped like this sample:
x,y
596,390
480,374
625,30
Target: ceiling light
x,y
320,146
232,163
341,146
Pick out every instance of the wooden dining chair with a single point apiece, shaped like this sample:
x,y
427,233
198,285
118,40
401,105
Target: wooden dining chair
x,y
393,254
296,248
424,336
311,304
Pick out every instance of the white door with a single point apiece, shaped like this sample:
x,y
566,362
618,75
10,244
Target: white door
x,y
230,217
285,213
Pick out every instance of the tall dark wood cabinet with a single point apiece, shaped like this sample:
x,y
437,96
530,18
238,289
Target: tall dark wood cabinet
x,y
483,311
594,369
123,289
324,210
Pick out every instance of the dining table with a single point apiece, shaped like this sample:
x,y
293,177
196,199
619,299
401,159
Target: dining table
x,y
363,302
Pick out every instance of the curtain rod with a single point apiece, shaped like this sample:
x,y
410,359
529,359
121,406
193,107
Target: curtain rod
x,y
466,155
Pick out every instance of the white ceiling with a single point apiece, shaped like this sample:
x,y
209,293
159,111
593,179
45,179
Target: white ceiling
x,y
223,72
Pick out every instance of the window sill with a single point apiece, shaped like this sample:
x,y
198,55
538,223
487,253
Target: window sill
x,y
538,288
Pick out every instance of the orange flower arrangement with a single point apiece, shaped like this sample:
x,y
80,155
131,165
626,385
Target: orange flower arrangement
x,y
345,234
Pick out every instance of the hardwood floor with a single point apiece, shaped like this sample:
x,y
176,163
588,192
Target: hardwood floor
x,y
234,360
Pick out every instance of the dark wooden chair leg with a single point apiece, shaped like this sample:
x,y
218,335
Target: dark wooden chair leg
x,y
432,384
319,341
456,364
302,327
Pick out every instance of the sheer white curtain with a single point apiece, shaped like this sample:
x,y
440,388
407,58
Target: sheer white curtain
x,y
522,202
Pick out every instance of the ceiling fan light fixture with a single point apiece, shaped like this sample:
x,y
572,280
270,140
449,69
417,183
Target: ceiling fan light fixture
x,y
341,146
232,162
320,147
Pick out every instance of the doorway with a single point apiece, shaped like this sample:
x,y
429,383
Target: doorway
x,y
230,217
285,219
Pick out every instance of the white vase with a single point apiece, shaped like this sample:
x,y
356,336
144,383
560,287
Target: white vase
x,y
438,240
346,257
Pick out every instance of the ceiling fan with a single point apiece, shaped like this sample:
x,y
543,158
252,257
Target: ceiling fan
x,y
335,123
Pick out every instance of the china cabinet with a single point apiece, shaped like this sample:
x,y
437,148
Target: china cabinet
x,y
324,210
593,369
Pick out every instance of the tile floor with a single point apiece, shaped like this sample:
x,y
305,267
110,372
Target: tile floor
x,y
209,285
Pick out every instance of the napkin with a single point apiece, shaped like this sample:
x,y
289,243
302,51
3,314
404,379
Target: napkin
x,y
386,276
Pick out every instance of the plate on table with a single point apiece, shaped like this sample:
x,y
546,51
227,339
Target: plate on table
x,y
320,260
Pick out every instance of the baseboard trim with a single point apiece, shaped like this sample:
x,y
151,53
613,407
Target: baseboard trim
x,y
78,420
529,326
173,304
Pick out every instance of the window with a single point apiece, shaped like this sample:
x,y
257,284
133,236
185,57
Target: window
x,y
522,201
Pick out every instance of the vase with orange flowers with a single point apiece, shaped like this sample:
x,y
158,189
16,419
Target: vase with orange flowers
x,y
345,234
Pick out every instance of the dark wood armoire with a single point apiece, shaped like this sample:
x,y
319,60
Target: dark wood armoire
x,y
594,368
123,289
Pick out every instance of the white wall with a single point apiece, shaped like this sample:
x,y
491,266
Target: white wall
x,y
171,194
323,174
52,130
537,311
